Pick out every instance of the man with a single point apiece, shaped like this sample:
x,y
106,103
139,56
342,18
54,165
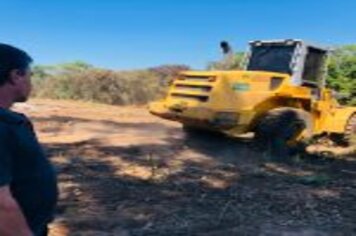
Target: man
x,y
28,186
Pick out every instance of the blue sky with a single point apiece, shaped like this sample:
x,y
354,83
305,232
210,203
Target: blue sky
x,y
139,34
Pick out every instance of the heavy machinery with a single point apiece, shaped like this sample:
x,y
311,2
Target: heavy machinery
x,y
279,95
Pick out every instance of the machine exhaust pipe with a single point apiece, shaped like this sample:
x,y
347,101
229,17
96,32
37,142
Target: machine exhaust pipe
x,y
228,53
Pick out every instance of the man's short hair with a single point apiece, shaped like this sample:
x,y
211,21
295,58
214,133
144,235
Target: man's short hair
x,y
12,58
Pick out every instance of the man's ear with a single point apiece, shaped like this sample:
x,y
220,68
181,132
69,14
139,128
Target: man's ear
x,y
15,75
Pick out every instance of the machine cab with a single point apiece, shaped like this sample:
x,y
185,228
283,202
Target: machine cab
x,y
305,63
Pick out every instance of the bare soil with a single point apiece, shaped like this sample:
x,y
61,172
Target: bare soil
x,y
124,172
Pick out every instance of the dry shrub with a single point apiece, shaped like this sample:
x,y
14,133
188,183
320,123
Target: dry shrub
x,y
79,81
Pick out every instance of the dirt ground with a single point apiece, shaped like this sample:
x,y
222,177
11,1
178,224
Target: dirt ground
x,y
124,172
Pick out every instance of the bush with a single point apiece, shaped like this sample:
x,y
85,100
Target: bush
x,y
81,81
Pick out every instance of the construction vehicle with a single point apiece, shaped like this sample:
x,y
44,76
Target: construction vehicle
x,y
280,95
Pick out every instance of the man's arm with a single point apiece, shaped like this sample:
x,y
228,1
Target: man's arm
x,y
12,220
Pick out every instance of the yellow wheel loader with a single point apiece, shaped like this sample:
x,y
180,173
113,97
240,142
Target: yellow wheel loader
x,y
279,95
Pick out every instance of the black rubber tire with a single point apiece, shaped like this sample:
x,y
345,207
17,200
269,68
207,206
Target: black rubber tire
x,y
281,126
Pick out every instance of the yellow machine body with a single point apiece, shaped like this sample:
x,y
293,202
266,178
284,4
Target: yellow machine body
x,y
233,101
279,74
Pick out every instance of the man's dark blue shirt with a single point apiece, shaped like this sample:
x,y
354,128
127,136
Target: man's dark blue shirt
x,y
26,170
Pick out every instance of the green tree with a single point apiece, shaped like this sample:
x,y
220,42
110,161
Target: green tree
x,y
342,73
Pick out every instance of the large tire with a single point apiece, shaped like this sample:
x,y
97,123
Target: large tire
x,y
281,130
350,131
